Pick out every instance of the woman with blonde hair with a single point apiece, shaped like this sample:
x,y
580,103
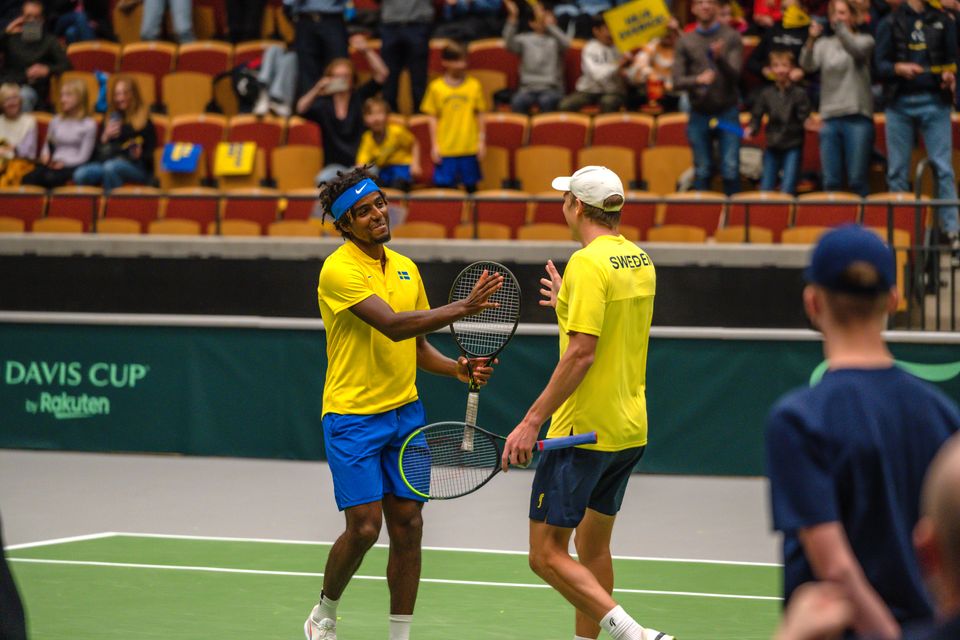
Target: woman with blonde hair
x,y
18,130
71,137
126,144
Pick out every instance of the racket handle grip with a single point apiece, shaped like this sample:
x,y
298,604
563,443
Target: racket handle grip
x,y
567,441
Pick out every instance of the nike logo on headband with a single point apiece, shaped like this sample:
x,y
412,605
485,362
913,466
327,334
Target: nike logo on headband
x,y
360,190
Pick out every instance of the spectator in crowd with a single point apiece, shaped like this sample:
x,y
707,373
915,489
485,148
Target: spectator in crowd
x,y
405,44
730,14
31,56
336,104
320,36
278,80
388,146
916,59
126,145
244,19
18,130
846,102
603,71
578,17
181,14
787,108
652,70
71,138
766,13
466,20
70,20
708,68
541,52
787,34
846,457
454,101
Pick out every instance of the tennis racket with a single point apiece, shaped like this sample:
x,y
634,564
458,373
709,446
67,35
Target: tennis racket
x,y
434,464
485,334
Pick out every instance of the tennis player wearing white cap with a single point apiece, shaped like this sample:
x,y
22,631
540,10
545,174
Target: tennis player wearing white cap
x,y
604,305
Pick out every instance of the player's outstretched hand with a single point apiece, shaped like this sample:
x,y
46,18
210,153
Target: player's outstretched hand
x,y
479,298
551,286
518,449
481,368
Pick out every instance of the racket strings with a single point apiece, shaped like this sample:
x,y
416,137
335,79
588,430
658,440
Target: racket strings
x,y
487,332
436,464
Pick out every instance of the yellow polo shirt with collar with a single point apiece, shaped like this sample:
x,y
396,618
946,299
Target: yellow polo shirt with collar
x,y
367,372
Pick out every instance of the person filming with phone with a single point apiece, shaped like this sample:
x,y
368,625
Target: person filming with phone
x,y
31,55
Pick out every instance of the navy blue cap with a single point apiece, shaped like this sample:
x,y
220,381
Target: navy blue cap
x,y
844,246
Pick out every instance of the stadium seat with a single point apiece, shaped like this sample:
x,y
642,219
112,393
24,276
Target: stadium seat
x,y
538,165
250,51
621,160
702,209
739,233
209,18
492,54
832,209
631,130
205,129
567,130
880,133
77,203
802,235
503,207
430,230
58,225
254,204
12,225
420,128
662,166
25,203
677,233
639,212
904,206
146,83
174,227
491,81
300,203
547,208
902,247
296,167
209,57
495,168
43,123
161,126
572,64
86,77
671,130
94,55
810,163
359,59
300,131
545,231
153,58
186,93
442,206
252,180
239,227
169,180
266,131
195,204
773,214
508,131
630,233
119,226
294,229
126,24
485,231
140,204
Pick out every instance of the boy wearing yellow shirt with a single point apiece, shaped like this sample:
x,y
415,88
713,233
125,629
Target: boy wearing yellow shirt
x,y
389,147
454,100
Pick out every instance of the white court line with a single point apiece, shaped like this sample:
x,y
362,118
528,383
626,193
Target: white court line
x,y
48,543
306,574
460,549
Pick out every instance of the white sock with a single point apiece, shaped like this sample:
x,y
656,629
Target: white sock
x,y
620,625
400,627
328,608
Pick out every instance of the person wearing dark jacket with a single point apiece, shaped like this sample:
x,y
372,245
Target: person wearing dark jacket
x,y
779,37
31,56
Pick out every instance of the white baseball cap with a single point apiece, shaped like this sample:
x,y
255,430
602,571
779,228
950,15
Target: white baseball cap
x,y
591,185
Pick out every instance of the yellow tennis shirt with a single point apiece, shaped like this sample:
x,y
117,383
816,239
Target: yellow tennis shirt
x,y
608,288
456,108
367,372
396,147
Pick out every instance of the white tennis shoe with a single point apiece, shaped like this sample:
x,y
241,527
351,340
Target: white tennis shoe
x,y
653,634
325,629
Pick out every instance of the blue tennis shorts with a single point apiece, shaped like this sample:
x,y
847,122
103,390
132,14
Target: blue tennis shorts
x,y
569,481
363,453
394,172
463,170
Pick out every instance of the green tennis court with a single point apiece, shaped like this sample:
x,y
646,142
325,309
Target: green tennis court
x,y
134,585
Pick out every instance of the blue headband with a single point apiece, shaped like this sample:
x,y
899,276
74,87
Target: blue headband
x,y
349,197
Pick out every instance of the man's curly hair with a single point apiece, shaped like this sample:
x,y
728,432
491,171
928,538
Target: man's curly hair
x,y
333,189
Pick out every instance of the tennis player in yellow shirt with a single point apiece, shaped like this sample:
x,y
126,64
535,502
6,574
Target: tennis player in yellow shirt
x,y
376,315
604,305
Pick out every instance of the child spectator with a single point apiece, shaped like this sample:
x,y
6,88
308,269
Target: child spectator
x,y
72,136
454,100
601,81
787,107
390,147
18,130
652,71
541,58
787,34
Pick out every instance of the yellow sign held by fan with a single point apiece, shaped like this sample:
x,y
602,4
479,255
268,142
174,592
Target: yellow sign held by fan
x,y
636,23
234,158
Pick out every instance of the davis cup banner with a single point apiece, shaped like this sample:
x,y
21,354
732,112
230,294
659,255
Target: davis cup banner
x,y
634,24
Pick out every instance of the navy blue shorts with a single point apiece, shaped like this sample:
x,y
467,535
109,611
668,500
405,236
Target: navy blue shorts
x,y
394,172
363,453
569,481
463,170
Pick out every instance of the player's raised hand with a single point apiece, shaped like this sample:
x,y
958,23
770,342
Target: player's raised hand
x,y
479,298
480,368
551,286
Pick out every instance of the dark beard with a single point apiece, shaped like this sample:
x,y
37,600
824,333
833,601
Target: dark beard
x,y
383,240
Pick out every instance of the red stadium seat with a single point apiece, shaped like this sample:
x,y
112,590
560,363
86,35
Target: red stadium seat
x,y
154,58
440,206
300,131
266,131
249,51
43,123
506,130
811,152
161,126
300,204
255,205
76,203
904,212
560,129
833,209
94,55
508,208
572,64
773,214
141,204
25,203
196,204
209,57
420,128
631,130
205,129
672,130
639,212
548,208
492,54
703,209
